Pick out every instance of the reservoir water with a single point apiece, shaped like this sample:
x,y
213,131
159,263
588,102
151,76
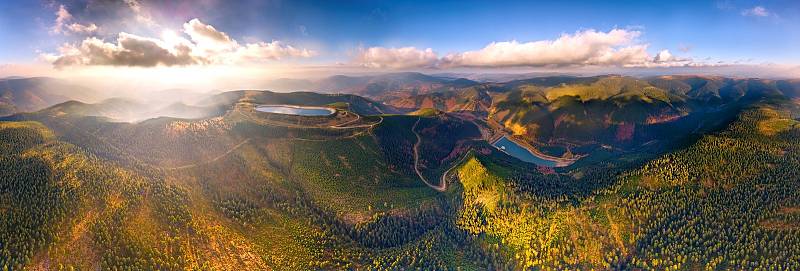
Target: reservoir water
x,y
517,151
296,110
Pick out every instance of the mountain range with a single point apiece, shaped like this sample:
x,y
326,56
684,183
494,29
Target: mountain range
x,y
30,94
666,172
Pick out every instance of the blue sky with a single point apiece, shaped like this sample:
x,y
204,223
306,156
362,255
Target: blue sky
x,y
343,32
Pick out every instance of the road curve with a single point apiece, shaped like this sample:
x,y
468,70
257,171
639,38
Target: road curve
x,y
443,180
442,185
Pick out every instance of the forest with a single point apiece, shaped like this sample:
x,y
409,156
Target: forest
x,y
80,192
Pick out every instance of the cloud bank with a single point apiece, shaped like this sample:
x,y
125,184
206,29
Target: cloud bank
x,y
396,58
617,47
130,50
206,45
589,47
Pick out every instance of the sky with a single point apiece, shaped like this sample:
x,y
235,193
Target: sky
x,y
265,39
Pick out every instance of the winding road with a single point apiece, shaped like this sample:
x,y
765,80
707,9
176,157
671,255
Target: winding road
x,y
442,184
443,180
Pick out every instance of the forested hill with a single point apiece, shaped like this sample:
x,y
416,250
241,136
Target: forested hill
x,y
30,94
727,202
244,189
620,111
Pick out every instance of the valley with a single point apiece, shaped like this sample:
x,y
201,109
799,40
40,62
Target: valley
x,y
516,150
365,185
399,135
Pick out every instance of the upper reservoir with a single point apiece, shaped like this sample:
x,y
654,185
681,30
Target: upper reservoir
x,y
517,151
296,110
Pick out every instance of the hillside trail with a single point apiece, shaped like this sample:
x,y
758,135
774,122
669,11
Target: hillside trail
x,y
151,165
209,161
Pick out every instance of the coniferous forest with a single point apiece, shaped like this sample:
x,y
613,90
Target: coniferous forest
x,y
421,190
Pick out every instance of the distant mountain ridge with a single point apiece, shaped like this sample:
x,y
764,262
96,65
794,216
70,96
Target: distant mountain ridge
x,y
560,109
211,105
31,94
372,85
129,110
609,109
671,171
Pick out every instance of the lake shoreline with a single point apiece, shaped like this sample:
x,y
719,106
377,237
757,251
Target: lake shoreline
x,y
557,161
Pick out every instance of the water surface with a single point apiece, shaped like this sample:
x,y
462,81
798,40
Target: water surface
x,y
296,110
517,151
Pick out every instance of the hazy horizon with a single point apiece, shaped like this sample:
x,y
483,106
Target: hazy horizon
x,y
219,46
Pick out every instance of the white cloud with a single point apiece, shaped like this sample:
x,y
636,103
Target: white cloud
x,y
207,37
589,47
396,58
206,45
82,29
64,24
218,46
130,50
615,48
663,56
142,16
62,17
758,11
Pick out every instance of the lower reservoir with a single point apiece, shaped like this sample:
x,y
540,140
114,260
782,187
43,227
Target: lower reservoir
x,y
512,148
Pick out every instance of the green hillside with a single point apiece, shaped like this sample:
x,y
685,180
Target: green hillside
x,y
686,210
240,190
561,113
356,190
